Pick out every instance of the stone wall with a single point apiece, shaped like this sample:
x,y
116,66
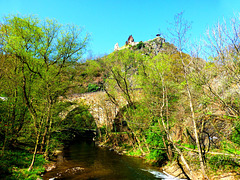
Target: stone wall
x,y
101,108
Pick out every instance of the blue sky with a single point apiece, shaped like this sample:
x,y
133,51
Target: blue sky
x,y
111,21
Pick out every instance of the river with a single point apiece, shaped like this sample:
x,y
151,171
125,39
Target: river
x,y
85,161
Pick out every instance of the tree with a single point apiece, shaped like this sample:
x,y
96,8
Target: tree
x,y
179,37
13,110
43,51
122,70
223,43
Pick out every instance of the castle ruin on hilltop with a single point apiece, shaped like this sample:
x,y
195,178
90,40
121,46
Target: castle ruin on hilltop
x,y
153,45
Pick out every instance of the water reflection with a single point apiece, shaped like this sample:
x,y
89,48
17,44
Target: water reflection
x,y
86,161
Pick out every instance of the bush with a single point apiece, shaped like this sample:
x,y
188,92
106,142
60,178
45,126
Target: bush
x,y
220,162
135,153
235,136
156,143
140,45
93,87
14,165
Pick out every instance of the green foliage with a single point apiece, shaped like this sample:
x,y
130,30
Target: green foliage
x,y
59,138
235,136
37,58
39,63
158,155
229,147
94,68
157,152
140,45
23,174
79,118
221,162
135,153
137,117
14,165
103,130
93,87
191,146
122,73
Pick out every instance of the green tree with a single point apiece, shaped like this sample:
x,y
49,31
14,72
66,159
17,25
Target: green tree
x,y
13,110
44,51
180,37
122,71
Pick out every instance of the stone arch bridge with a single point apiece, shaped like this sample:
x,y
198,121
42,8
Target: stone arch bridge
x,y
101,107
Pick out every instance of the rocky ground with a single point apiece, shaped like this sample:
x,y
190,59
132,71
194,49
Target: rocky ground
x,y
174,170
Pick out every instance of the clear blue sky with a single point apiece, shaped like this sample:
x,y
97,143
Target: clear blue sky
x,y
111,21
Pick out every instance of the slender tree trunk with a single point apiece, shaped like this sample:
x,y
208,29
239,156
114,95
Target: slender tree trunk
x,y
200,154
146,144
34,153
48,136
47,127
4,144
167,118
189,171
44,137
168,148
139,143
48,140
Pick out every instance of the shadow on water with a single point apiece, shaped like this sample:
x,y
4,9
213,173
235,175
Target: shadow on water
x,y
83,160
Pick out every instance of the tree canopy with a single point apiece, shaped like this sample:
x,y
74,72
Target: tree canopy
x,y
37,57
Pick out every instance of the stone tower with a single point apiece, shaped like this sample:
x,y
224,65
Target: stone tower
x,y
130,40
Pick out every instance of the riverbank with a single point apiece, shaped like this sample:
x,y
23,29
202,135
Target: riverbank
x,y
97,162
15,163
172,168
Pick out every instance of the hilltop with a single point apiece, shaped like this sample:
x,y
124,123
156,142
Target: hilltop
x,y
152,46
188,110
92,72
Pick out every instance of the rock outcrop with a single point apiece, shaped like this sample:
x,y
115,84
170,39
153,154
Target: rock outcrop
x,y
116,47
153,46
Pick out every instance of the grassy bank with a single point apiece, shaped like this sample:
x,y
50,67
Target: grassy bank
x,y
218,166
15,163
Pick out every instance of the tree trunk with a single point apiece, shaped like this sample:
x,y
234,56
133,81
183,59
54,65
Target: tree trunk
x,y
4,145
146,144
34,153
139,143
47,130
44,137
200,154
169,136
48,139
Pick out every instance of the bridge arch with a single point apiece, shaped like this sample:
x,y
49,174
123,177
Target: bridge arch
x,y
80,117
101,108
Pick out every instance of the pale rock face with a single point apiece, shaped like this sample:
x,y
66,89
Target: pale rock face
x,y
133,43
116,47
155,45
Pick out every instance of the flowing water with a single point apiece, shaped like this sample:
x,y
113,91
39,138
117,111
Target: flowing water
x,y
85,161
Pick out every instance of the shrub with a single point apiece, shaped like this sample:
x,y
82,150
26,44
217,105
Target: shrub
x,y
222,162
140,45
235,136
93,87
156,143
15,163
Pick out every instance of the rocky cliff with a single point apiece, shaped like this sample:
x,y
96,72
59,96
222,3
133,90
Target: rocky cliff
x,y
153,46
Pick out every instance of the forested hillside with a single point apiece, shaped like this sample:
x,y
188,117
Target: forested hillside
x,y
37,67
189,107
187,113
